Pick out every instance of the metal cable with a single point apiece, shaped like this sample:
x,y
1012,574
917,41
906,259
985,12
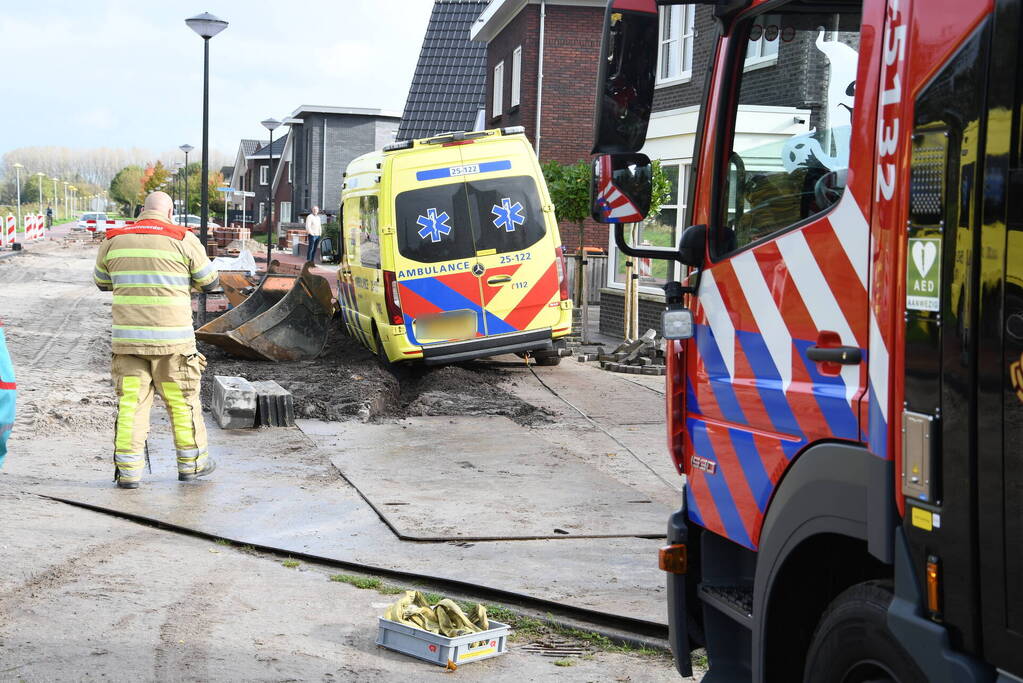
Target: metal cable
x,y
601,428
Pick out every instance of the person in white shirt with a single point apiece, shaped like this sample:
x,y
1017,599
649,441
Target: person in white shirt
x,y
314,228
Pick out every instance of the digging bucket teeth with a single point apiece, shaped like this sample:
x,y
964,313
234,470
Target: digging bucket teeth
x,y
286,318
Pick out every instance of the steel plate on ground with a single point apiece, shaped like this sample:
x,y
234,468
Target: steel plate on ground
x,y
430,482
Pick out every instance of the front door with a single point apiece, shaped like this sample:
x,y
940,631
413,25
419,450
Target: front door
x,y
788,268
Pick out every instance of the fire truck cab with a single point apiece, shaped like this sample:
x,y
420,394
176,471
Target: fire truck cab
x,y
844,391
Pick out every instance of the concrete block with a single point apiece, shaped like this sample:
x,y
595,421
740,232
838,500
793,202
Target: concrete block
x,y
234,402
276,406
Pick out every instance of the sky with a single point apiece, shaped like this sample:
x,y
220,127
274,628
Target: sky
x,y
128,73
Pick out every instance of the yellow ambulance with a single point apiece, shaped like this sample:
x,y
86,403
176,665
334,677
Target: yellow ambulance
x,y
451,251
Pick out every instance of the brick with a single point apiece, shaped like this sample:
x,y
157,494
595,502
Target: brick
x,y
234,402
276,406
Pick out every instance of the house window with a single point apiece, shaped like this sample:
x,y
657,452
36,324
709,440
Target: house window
x,y
675,47
763,42
498,105
262,212
285,212
290,176
661,230
264,175
516,77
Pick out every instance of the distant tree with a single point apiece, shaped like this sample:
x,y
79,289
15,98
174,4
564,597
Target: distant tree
x,y
157,176
127,188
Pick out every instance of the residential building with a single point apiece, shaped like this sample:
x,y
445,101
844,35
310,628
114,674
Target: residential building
x,y
448,86
244,177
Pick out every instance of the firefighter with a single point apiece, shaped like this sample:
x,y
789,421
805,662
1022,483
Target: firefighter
x,y
151,267
7,395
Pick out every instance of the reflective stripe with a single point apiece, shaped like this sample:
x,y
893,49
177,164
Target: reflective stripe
x,y
181,414
146,253
212,284
152,300
172,333
128,458
203,272
101,275
192,464
149,279
126,413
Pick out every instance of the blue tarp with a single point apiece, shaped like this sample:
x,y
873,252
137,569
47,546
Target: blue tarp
x,y
7,396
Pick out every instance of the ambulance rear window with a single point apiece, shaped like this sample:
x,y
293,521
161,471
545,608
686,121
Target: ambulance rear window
x,y
507,212
454,221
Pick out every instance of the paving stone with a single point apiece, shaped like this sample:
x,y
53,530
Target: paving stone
x,y
276,405
234,402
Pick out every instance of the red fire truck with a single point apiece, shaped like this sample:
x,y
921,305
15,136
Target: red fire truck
x,y
844,391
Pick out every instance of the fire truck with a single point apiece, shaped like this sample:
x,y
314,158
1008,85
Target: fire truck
x,y
845,332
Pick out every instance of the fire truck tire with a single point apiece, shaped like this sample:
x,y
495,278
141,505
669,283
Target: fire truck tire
x,y
852,643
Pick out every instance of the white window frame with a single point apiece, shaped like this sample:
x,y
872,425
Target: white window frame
x,y
264,174
291,177
680,20
497,103
262,212
516,78
684,169
284,212
761,52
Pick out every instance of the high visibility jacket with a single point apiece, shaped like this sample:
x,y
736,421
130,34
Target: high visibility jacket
x,y
152,266
7,395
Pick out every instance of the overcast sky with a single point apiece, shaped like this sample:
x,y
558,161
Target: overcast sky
x,y
128,73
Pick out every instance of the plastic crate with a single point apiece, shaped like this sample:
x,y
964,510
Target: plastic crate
x,y
433,647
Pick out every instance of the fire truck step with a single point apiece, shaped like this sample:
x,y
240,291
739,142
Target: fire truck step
x,y
735,602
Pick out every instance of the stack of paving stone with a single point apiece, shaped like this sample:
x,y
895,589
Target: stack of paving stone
x,y
643,356
241,404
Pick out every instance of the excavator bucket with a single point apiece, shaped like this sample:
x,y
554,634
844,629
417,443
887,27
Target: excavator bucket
x,y
237,285
286,318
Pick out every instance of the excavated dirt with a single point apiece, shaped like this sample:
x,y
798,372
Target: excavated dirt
x,y
347,382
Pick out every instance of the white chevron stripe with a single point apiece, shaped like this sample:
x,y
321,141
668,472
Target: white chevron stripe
x,y
820,301
766,314
878,367
853,233
717,318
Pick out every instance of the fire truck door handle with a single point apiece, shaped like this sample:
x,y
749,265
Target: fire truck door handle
x,y
845,355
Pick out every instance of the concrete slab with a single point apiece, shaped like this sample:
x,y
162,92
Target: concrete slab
x,y
234,402
482,478
274,487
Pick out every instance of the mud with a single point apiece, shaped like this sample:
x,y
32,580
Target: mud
x,y
347,382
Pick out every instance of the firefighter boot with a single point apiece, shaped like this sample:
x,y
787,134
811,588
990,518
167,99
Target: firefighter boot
x,y
211,465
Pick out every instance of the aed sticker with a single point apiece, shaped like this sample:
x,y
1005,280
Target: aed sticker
x,y
923,274
922,519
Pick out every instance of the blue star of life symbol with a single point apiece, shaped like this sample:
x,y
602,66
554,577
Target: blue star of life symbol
x,y
433,226
508,215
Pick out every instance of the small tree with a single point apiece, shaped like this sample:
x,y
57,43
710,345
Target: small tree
x,y
569,187
127,188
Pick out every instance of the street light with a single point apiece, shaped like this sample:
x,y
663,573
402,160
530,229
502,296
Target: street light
x,y
17,185
40,175
270,124
56,204
206,26
186,148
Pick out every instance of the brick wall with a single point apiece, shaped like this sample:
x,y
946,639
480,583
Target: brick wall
x,y
612,312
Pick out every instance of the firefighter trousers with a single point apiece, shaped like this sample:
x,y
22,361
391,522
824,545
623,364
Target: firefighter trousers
x,y
175,377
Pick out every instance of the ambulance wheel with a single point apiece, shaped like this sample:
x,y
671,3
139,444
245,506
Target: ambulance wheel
x,y
380,351
852,643
545,358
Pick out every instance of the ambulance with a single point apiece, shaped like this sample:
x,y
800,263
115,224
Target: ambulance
x,y
451,251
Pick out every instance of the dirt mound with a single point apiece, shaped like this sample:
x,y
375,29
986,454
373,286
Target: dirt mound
x,y
347,382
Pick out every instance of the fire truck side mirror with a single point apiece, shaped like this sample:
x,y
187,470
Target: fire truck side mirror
x,y
620,188
692,246
625,79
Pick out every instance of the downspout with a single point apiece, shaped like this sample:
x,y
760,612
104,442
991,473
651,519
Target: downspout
x,y
323,167
539,78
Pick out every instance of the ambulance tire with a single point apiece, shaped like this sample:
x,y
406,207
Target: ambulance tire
x,y
546,359
381,354
852,641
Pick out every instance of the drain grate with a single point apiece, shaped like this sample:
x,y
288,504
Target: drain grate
x,y
556,647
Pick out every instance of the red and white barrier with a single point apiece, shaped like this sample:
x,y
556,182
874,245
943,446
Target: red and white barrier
x,y
29,222
40,226
12,228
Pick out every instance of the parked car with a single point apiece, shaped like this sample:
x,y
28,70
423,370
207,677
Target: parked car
x,y
192,222
93,222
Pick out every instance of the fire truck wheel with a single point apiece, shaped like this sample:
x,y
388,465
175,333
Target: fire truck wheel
x,y
852,643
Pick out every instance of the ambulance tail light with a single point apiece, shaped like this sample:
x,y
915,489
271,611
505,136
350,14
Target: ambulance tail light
x,y
392,299
562,272
674,400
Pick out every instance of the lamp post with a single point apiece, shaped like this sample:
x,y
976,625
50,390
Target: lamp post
x,y
206,26
186,148
270,124
17,187
40,175
56,204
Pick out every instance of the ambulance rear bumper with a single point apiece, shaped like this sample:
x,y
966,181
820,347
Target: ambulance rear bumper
x,y
519,342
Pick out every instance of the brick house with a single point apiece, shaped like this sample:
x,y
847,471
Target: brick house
x,y
548,89
244,176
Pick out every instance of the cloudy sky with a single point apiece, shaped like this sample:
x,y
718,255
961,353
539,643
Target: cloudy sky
x,y
128,73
